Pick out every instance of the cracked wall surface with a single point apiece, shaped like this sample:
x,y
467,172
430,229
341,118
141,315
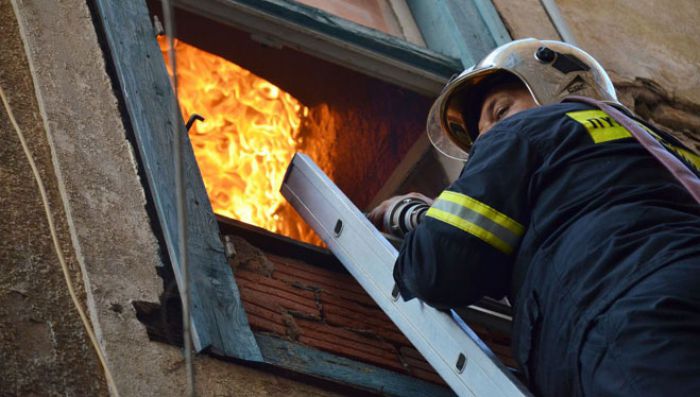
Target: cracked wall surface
x,y
649,47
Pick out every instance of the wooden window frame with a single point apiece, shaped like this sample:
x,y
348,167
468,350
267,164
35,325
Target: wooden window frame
x,y
218,319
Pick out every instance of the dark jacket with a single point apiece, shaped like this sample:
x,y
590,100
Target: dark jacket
x,y
561,209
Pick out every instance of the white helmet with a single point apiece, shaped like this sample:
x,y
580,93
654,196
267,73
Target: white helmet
x,y
551,70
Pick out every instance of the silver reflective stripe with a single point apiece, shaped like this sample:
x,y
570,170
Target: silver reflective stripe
x,y
475,218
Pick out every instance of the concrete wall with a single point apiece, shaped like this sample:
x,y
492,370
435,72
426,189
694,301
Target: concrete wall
x,y
53,71
649,47
43,346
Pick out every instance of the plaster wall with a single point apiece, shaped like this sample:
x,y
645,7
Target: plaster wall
x,y
650,49
648,39
43,346
54,72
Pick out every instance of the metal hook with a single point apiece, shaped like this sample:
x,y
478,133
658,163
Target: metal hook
x,y
194,117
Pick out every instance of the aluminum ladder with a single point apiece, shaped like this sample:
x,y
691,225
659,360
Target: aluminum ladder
x,y
457,354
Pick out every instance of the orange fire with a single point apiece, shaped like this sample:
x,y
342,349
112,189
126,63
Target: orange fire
x,y
248,137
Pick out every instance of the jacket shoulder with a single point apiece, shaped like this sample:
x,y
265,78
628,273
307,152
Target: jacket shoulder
x,y
542,126
543,115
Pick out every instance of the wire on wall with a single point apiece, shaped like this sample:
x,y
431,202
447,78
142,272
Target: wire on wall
x,y
57,247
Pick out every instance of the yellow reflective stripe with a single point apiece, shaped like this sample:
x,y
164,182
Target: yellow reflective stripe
x,y
685,154
477,219
600,126
470,228
483,209
603,128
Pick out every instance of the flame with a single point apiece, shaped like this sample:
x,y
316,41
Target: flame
x,y
248,137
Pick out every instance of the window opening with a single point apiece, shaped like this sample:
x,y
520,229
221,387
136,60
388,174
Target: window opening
x,y
262,103
365,125
251,129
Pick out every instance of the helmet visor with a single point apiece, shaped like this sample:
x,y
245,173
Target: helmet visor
x,y
441,139
452,121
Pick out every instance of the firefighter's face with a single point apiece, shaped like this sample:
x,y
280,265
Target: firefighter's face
x,y
503,101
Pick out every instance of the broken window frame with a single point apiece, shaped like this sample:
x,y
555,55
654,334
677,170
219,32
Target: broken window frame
x,y
218,320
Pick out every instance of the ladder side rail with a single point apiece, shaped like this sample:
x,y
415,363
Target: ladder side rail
x,y
369,257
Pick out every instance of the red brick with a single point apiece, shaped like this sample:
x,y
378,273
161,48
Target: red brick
x,y
413,358
428,375
331,280
417,365
279,305
262,319
253,308
275,283
313,276
325,287
411,352
330,346
349,322
344,336
342,317
280,291
339,299
260,324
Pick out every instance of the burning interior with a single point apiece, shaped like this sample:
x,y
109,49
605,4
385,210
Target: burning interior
x,y
251,129
261,104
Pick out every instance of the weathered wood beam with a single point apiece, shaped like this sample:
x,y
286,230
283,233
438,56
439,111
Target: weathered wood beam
x,y
309,361
312,31
464,29
218,319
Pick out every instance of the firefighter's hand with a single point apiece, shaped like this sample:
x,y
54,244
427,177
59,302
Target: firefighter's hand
x,y
376,216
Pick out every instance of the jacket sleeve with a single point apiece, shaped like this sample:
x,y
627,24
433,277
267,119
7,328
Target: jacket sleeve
x,y
465,245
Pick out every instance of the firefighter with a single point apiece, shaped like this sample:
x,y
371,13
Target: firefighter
x,y
560,209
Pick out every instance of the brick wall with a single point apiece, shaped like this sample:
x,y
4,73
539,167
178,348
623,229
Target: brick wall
x,y
330,311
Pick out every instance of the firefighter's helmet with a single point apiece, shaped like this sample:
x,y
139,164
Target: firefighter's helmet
x,y
551,70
